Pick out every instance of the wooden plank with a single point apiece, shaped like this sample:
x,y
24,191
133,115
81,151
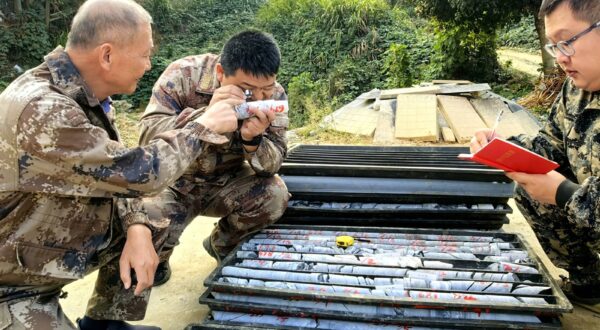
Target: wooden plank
x,y
530,126
461,117
459,89
509,125
416,117
448,135
356,117
488,109
384,131
387,94
370,95
443,123
450,82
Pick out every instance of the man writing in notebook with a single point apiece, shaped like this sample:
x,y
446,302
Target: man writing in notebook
x,y
563,206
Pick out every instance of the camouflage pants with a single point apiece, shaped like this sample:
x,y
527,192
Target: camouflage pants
x,y
568,245
36,307
246,203
34,313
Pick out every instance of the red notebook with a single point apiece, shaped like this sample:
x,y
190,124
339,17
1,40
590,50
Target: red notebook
x,y
510,157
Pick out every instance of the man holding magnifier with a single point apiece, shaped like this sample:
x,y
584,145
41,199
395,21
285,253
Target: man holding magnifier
x,y
235,181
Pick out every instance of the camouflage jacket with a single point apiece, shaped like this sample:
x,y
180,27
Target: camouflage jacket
x,y
64,175
183,92
571,137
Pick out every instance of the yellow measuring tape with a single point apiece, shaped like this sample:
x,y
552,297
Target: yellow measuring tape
x,y
344,241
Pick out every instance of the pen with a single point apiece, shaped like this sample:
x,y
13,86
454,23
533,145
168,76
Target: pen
x,y
496,123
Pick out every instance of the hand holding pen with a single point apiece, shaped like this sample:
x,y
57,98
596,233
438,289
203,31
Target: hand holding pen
x,y
496,124
483,136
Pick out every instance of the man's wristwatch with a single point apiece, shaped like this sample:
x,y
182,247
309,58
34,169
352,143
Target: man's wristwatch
x,y
254,142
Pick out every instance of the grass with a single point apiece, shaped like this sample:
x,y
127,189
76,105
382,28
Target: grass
x,y
514,84
127,123
315,135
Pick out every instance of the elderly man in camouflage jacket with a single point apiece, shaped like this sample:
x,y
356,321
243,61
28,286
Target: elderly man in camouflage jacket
x,y
234,180
563,206
69,190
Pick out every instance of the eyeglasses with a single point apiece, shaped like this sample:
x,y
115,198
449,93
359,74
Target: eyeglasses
x,y
566,47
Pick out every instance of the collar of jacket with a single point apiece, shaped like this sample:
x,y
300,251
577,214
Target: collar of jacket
x,y
67,78
208,81
595,101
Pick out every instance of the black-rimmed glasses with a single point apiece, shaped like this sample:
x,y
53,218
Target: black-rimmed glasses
x,y
566,47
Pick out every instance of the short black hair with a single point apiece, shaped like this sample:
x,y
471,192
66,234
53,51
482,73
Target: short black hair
x,y
254,52
585,10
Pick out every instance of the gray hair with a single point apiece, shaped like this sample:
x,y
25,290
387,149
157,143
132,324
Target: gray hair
x,y
100,21
585,10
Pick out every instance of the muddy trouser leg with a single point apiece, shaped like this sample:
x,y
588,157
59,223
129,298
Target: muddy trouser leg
x,y
171,205
569,246
41,311
246,204
110,300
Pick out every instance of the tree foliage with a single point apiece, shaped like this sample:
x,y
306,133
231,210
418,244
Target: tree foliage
x,y
480,16
473,25
29,30
460,53
521,34
398,66
465,36
190,27
332,50
343,46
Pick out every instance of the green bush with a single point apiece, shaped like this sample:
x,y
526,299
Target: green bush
x,y
512,84
25,43
344,45
465,34
397,66
31,42
25,38
184,28
460,53
316,35
300,88
351,78
309,101
332,50
6,39
521,35
163,13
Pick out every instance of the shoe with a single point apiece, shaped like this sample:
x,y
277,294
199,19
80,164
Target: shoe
x,y
581,295
162,274
87,323
206,243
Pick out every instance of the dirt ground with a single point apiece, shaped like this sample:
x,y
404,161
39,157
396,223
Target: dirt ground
x,y
174,305
521,61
